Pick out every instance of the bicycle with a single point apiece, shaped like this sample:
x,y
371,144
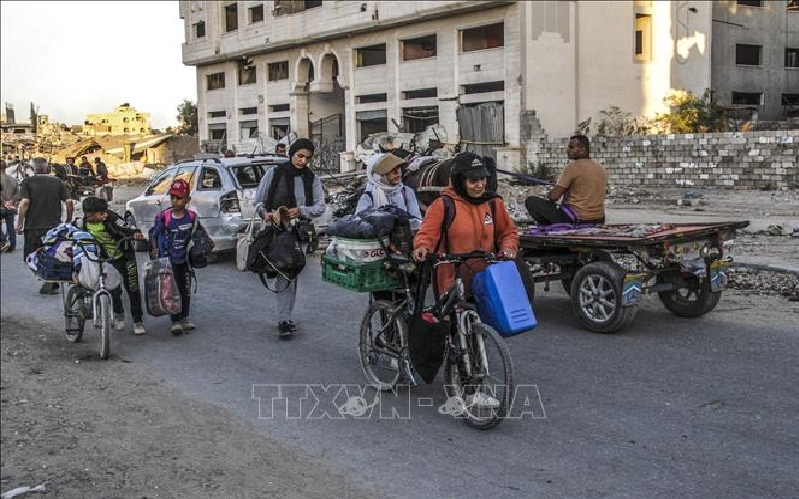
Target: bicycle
x,y
81,304
480,395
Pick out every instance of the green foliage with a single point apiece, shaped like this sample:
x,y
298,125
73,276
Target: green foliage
x,y
691,114
187,118
613,122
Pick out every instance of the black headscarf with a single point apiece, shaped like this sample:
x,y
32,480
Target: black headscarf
x,y
298,144
465,165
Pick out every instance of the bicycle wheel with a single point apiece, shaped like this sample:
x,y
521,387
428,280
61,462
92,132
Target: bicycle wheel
x,y
103,322
384,336
487,393
74,314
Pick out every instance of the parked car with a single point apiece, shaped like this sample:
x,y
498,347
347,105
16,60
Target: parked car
x,y
222,193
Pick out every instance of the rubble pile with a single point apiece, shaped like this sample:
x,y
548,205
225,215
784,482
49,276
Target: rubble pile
x,y
763,282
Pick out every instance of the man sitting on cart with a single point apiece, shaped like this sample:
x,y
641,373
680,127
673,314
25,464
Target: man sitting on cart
x,y
581,185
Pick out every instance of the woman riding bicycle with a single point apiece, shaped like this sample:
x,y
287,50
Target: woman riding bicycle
x,y
480,222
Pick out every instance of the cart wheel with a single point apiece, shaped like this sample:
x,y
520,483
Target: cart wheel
x,y
692,299
596,298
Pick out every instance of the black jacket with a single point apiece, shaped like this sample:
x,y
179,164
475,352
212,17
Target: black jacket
x,y
117,228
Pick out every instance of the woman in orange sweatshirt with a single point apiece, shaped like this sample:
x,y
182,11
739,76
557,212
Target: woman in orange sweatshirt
x,y
481,222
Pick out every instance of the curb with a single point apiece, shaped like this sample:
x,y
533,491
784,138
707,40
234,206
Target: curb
x,y
767,267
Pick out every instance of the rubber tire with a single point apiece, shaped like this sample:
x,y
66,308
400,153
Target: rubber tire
x,y
104,308
73,310
452,379
380,306
705,302
612,274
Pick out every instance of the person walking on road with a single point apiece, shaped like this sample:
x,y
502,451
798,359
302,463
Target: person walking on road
x,y
41,197
9,195
295,186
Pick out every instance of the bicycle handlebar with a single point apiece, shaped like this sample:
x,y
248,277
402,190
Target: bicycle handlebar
x,y
437,258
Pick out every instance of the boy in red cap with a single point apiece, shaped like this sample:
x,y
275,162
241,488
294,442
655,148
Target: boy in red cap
x,y
172,232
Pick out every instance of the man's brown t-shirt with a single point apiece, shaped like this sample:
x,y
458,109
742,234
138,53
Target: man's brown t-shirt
x,y
585,181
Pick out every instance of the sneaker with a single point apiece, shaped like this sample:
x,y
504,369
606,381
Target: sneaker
x,y
284,329
119,322
292,326
4,246
187,326
138,328
482,401
177,328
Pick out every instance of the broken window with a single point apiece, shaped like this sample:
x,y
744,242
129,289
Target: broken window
x,y
231,17
283,7
748,98
421,93
790,99
216,114
125,120
370,122
748,55
371,98
248,110
416,119
246,73
642,43
256,13
278,70
419,48
483,37
750,3
141,130
248,129
482,88
199,29
278,128
372,55
793,5
215,81
791,58
126,130
217,131
279,108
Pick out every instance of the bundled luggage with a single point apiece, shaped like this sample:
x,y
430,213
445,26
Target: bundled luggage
x,y
161,291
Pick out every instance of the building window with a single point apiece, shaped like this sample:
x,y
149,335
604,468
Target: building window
x,y
231,17
371,98
283,7
125,120
248,129
256,13
217,133
790,99
216,114
278,129
792,58
419,48
199,29
248,110
278,70
422,93
793,5
749,3
416,119
372,55
481,88
246,73
279,108
126,130
369,126
643,38
104,121
215,81
142,130
483,37
748,98
748,55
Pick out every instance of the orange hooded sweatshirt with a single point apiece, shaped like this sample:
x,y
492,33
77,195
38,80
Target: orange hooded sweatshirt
x,y
471,229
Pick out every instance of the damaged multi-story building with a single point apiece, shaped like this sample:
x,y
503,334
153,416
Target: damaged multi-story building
x,y
493,74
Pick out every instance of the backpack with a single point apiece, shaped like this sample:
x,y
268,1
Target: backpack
x,y
276,252
449,216
200,245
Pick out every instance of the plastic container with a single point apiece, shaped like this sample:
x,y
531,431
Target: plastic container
x,y
359,250
51,269
502,301
357,276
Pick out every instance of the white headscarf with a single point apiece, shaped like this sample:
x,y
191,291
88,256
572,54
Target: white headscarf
x,y
380,186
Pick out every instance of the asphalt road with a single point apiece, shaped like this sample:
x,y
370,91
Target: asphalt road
x,y
669,408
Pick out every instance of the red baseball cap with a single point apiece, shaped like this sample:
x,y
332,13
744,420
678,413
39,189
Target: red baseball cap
x,y
179,188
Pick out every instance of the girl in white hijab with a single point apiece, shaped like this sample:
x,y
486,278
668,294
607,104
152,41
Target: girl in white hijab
x,y
384,188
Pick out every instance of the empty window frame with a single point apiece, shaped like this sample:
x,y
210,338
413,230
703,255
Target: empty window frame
x,y
279,108
283,7
248,129
215,81
793,5
278,70
216,114
248,110
482,88
790,99
748,98
416,119
278,130
372,55
791,58
422,93
371,98
423,47
483,37
750,3
246,73
199,29
216,133
748,55
642,42
256,14
231,17
370,122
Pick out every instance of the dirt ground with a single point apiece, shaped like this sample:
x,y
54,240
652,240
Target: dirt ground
x,y
88,428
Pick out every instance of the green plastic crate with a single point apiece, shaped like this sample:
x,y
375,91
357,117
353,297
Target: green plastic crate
x,y
361,277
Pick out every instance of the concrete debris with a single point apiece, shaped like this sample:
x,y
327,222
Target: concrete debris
x,y
764,282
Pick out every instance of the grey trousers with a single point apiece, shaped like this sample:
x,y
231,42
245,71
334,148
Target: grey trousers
x,y
286,298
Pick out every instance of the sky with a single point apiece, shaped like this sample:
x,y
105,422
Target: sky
x,y
77,58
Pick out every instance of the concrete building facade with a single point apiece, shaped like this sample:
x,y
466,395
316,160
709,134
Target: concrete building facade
x,y
124,120
492,73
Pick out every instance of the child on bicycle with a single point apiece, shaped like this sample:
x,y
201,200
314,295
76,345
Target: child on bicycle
x,y
171,235
108,228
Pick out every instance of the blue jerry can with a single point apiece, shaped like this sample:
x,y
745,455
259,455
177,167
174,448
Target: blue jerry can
x,y
502,300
